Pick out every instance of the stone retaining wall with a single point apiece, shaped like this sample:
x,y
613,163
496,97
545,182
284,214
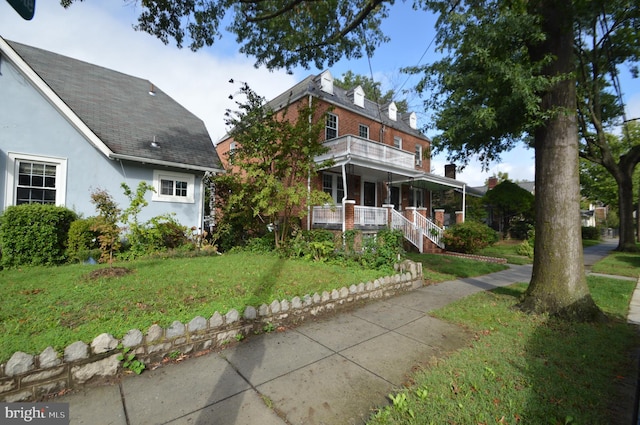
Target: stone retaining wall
x,y
27,377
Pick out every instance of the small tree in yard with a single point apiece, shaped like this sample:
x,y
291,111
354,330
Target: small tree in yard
x,y
271,165
106,224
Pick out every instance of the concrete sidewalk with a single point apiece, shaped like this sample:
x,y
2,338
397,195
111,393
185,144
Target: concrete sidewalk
x,y
331,371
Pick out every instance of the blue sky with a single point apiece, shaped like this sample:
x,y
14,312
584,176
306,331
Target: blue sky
x,y
101,33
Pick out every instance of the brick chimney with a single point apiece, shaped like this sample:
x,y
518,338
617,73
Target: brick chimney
x,y
450,171
492,182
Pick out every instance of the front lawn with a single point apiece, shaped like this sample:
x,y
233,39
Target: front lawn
x,y
56,306
439,268
520,368
619,263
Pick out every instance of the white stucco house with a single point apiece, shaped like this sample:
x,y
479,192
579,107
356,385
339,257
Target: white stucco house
x,y
68,127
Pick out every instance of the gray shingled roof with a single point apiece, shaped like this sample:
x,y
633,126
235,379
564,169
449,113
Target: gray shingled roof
x,y
120,111
343,98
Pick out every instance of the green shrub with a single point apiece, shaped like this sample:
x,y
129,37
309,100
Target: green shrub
x,y
591,233
525,248
83,240
382,250
317,244
34,234
469,237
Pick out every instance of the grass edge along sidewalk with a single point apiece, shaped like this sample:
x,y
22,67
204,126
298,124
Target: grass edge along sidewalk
x,y
524,368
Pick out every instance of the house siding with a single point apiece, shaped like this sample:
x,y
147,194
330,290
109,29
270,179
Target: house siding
x,y
30,124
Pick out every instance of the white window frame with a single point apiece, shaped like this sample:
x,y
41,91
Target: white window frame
x,y
362,127
397,142
327,127
13,166
158,176
419,155
334,188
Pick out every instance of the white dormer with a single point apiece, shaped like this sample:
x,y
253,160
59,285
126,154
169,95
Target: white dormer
x,y
413,120
326,82
358,97
393,111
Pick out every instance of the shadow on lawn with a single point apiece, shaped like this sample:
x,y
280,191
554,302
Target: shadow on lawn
x,y
576,372
244,363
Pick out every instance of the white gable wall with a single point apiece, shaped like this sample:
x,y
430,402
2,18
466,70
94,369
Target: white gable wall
x,y
32,128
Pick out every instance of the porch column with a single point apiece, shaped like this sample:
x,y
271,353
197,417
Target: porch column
x,y
410,214
349,214
421,211
439,217
389,208
459,217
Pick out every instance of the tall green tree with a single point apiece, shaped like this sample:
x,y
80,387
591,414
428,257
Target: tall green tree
x,y
372,89
607,39
512,204
509,73
272,162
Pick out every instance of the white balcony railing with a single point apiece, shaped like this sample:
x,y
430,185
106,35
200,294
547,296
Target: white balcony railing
x,y
370,150
327,215
369,216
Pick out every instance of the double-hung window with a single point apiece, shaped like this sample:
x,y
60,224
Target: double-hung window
x,y
35,180
397,142
419,155
332,184
363,131
173,187
331,129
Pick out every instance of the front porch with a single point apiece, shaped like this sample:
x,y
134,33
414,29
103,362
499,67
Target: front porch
x,y
420,230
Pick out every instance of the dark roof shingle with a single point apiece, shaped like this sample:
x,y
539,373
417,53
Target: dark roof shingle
x,y
119,109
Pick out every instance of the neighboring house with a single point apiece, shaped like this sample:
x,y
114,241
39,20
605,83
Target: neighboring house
x,y
381,162
68,128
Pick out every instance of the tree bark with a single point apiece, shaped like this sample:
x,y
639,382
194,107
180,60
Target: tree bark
x,y
558,284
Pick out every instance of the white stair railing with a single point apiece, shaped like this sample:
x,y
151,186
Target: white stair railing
x,y
410,231
431,230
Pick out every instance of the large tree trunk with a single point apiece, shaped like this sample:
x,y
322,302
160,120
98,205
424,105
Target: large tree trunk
x,y
558,283
627,241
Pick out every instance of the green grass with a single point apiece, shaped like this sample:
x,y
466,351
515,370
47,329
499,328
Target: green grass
x,y
439,268
522,368
56,306
507,249
619,263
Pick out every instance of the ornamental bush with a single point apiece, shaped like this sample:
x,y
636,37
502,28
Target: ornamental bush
x,y
469,237
83,240
34,234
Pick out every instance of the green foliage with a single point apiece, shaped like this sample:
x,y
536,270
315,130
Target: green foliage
x,y
130,362
591,233
513,205
382,250
273,158
82,241
316,244
525,249
106,224
469,237
34,234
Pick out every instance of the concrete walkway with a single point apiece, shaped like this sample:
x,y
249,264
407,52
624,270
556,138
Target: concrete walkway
x,y
330,371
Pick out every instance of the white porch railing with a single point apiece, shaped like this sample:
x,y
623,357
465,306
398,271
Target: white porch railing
x,y
378,217
370,150
369,216
429,228
327,214
411,232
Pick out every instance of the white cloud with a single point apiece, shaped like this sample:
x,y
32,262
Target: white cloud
x,y
102,34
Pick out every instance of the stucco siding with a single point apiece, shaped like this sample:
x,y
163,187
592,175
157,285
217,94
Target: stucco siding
x,y
31,125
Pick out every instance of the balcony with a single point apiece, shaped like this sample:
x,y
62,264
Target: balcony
x,y
368,151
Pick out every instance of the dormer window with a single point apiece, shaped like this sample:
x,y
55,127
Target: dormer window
x,y
393,112
413,120
358,97
326,82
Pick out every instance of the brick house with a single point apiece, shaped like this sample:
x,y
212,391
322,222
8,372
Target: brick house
x,y
380,174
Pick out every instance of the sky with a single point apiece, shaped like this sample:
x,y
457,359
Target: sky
x,y
101,33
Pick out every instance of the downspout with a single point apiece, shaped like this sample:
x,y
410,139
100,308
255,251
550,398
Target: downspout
x,y
309,180
464,203
345,197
